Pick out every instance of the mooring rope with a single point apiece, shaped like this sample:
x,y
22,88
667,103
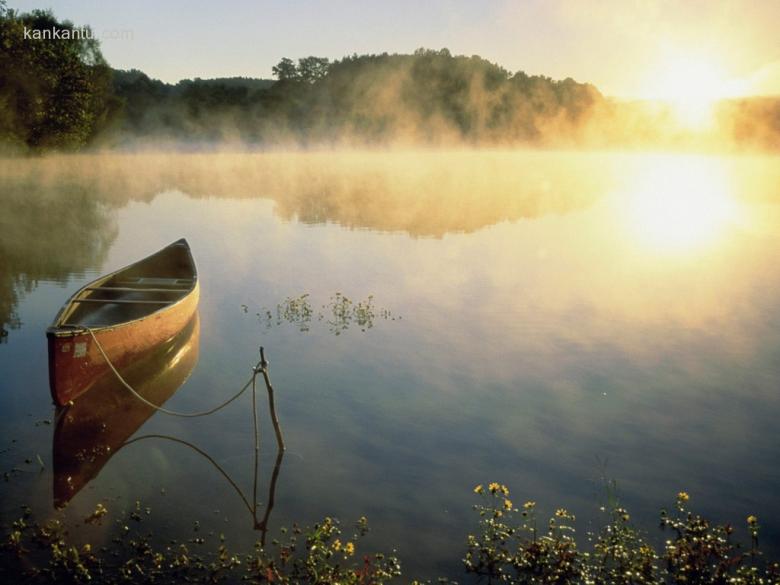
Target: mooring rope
x,y
200,452
260,368
160,408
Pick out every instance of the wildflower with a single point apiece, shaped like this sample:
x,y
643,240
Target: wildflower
x,y
479,489
683,497
337,544
100,511
507,504
494,487
752,520
562,513
529,504
349,549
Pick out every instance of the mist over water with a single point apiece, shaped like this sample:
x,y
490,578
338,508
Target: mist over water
x,y
461,274
565,316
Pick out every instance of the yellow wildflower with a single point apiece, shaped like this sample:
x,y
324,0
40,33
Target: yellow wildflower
x,y
507,504
529,504
494,487
479,489
752,520
561,513
349,549
337,544
683,497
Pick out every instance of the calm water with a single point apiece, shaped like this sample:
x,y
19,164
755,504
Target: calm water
x,y
538,319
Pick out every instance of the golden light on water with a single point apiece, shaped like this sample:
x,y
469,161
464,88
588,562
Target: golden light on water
x,y
678,204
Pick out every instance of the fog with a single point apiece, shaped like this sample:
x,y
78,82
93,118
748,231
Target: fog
x,y
429,99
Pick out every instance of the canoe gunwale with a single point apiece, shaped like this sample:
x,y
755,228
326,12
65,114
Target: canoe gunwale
x,y
58,329
81,353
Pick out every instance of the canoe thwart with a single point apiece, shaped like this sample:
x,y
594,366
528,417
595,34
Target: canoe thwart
x,y
123,301
156,281
136,289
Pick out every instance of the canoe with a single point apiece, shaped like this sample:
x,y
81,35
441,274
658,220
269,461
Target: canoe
x,y
128,312
91,430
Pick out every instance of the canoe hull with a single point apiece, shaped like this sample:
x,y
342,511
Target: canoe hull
x,y
126,313
75,361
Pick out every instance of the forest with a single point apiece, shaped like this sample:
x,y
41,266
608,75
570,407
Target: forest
x,y
63,95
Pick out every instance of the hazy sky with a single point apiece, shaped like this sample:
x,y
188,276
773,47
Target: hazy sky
x,y
619,45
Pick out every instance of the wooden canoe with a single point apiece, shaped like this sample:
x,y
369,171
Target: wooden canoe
x,y
129,311
89,432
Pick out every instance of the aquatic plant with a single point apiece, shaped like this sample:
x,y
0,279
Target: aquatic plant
x,y
512,545
340,313
510,550
41,553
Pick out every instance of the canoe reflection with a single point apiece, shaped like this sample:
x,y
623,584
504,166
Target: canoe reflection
x,y
88,432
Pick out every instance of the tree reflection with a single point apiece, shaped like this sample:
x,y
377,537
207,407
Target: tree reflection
x,y
48,231
55,211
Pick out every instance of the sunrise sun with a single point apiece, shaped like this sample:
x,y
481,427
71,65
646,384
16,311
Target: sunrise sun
x,y
691,84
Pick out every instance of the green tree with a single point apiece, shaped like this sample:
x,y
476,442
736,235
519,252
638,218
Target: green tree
x,y
54,92
285,70
311,69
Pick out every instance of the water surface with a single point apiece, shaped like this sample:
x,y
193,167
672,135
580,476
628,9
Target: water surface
x,y
539,319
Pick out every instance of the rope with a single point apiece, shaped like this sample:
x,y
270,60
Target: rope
x,y
260,368
201,452
152,404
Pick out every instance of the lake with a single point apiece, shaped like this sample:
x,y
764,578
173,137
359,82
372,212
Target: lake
x,y
433,320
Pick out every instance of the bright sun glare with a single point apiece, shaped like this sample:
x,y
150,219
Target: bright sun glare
x,y
678,204
691,85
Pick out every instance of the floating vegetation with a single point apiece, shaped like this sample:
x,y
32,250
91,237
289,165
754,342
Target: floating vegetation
x,y
362,314
339,314
94,517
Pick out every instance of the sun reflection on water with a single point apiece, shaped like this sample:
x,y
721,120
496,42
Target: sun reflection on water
x,y
679,203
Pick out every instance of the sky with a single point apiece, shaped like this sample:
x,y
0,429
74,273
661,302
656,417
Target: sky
x,y
627,48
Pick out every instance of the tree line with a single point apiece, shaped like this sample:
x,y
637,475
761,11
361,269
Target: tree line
x,y
61,94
